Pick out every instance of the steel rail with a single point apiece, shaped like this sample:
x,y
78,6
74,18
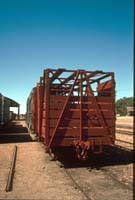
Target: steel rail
x,y
113,176
124,126
124,132
124,141
11,172
58,163
127,148
78,186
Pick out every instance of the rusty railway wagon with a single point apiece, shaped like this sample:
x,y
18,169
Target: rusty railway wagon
x,y
73,108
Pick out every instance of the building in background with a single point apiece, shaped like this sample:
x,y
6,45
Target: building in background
x,y
130,111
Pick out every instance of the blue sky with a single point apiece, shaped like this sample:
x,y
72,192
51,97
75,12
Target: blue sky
x,y
71,34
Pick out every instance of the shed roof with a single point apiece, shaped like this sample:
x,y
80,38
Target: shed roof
x,y
12,102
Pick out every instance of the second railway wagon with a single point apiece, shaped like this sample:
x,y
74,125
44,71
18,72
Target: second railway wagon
x,y
5,114
73,108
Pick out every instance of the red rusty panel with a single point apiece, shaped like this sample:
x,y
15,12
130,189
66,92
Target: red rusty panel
x,y
105,85
69,123
54,114
90,99
56,106
34,103
58,98
68,131
75,123
38,112
69,141
44,106
106,114
104,99
90,105
43,122
43,130
66,106
43,113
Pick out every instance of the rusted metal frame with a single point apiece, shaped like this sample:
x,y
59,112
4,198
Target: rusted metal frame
x,y
113,103
112,95
98,79
60,90
41,105
94,73
64,70
69,70
69,78
61,114
54,70
35,111
55,75
97,106
60,87
56,84
46,93
81,107
91,74
40,109
113,90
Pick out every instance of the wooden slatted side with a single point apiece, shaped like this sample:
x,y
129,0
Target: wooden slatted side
x,y
39,94
87,131
91,115
63,141
70,123
33,115
54,99
67,122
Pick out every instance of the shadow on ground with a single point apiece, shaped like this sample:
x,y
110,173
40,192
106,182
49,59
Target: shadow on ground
x,y
112,156
14,132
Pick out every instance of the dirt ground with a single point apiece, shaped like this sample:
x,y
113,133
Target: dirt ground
x,y
125,120
128,120
128,170
36,177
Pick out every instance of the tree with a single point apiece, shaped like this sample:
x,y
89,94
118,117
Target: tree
x,y
122,104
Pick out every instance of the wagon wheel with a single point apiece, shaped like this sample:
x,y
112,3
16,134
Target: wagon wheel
x,y
82,153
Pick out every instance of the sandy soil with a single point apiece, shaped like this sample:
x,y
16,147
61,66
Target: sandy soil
x,y
36,177
128,120
124,120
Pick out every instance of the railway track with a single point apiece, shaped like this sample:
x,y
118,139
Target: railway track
x,y
125,126
92,183
124,136
96,181
98,178
128,146
106,171
78,186
122,141
124,132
